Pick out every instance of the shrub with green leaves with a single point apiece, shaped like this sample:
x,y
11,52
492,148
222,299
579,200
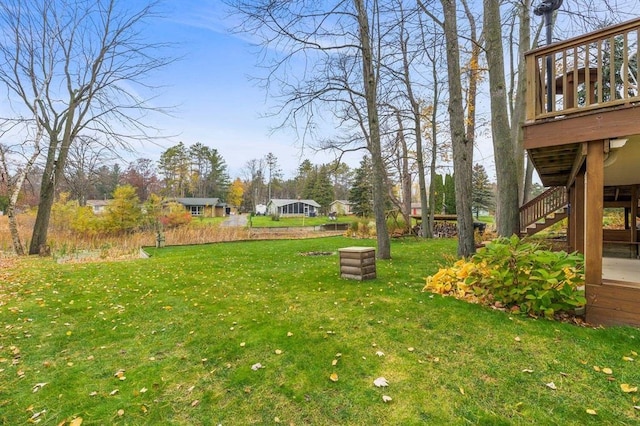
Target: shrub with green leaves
x,y
518,275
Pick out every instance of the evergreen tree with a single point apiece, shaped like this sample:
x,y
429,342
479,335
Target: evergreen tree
x,y
438,199
481,193
361,194
449,195
323,189
124,212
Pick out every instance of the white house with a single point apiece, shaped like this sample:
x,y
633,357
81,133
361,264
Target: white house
x,y
292,207
341,207
98,206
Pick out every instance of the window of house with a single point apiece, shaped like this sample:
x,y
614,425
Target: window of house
x,y
196,210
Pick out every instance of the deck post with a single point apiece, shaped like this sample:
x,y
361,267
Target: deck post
x,y
579,228
634,217
593,213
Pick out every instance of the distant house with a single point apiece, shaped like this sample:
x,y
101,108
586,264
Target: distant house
x,y
261,209
98,206
292,207
416,209
203,207
341,207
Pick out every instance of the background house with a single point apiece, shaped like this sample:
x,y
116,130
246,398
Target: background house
x,y
292,207
203,207
98,206
341,207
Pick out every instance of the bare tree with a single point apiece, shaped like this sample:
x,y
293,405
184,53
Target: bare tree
x,y
16,161
78,67
507,219
462,147
335,40
86,156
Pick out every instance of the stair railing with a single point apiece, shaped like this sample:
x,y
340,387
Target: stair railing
x,y
549,201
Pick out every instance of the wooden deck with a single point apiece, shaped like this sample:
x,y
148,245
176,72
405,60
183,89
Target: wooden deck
x,y
621,270
616,300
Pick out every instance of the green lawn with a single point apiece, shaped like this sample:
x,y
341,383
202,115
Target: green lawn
x,y
172,340
268,222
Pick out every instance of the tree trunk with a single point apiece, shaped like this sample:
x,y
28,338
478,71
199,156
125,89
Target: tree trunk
x,y
508,217
13,229
53,172
462,149
518,115
379,171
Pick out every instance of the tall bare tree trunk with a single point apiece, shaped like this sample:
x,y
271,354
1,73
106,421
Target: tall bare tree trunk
x,y
506,172
462,148
518,113
53,173
379,172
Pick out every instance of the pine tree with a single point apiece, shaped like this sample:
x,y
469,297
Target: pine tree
x,y
361,194
449,194
482,196
323,189
438,201
124,213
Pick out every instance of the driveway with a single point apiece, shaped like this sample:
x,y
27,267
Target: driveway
x,y
236,220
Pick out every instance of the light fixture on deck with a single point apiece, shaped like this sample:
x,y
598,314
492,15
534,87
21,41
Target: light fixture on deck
x,y
611,154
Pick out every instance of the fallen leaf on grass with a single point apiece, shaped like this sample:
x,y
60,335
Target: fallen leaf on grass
x,y
381,382
627,358
120,375
517,339
35,415
592,412
121,412
278,352
596,368
527,370
38,386
143,390
462,391
607,371
411,349
94,393
626,388
113,392
76,422
256,366
333,377
386,398
289,334
380,353
551,385
334,362
195,403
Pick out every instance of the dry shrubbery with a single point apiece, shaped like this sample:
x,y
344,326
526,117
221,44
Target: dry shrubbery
x,y
68,244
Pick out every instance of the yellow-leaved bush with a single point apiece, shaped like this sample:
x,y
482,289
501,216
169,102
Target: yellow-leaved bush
x,y
517,275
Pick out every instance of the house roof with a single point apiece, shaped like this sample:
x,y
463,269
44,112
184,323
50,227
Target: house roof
x,y
199,201
345,202
285,202
97,203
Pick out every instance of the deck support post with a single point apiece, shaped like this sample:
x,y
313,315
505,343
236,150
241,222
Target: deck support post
x,y
593,213
579,225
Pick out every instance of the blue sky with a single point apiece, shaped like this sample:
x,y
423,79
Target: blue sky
x,y
216,103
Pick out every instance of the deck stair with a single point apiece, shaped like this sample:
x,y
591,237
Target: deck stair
x,y
545,210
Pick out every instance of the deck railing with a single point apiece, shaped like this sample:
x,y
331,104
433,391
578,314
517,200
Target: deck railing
x,y
593,71
551,200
